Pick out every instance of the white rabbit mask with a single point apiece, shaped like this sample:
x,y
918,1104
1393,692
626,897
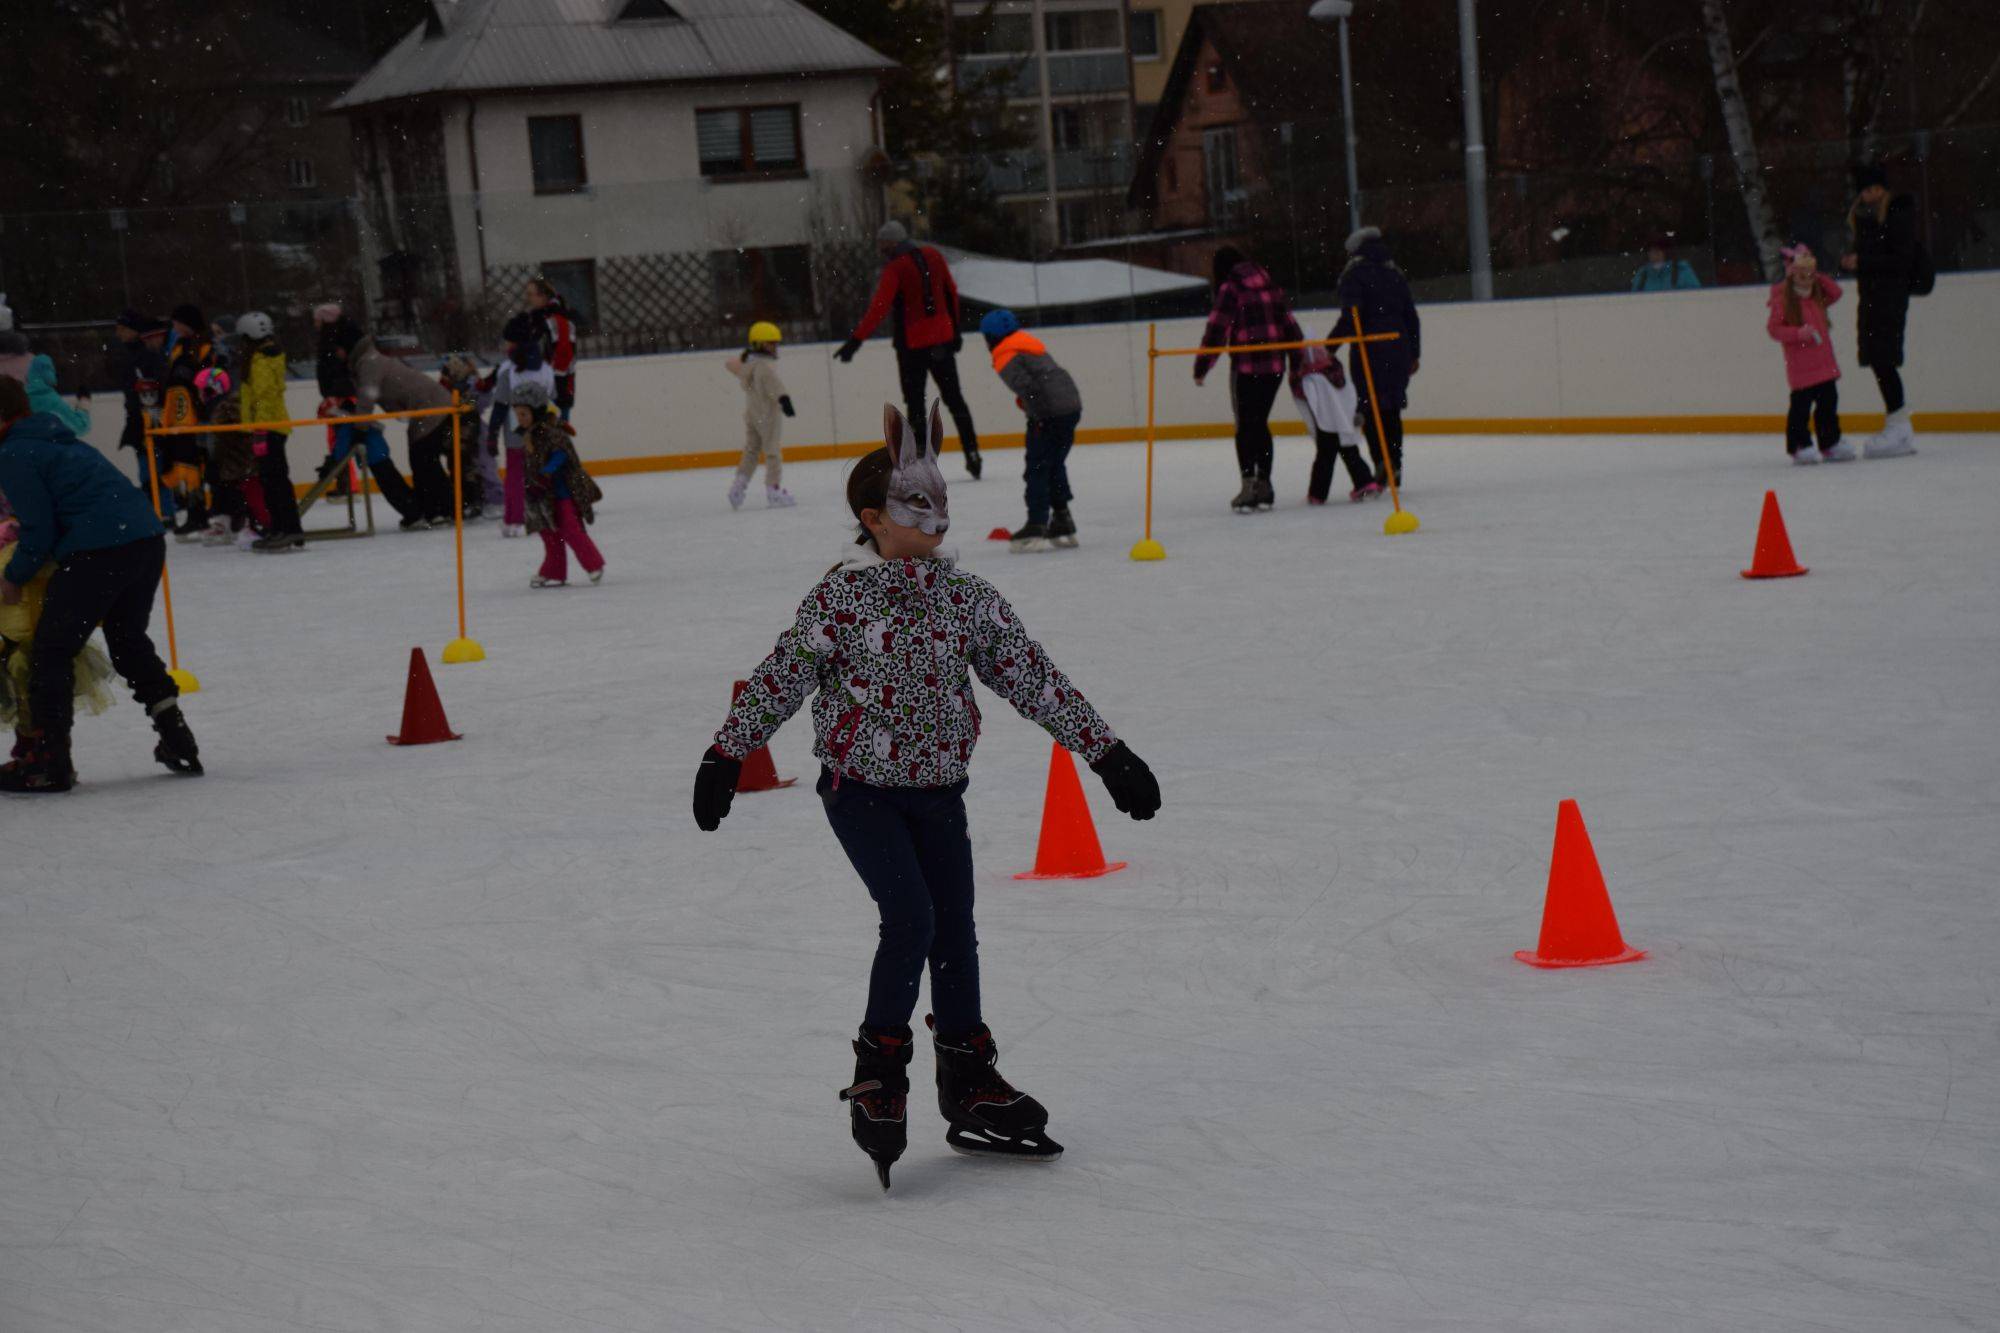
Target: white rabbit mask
x,y
916,486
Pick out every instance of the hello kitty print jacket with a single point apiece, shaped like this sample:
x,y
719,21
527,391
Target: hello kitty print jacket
x,y
887,643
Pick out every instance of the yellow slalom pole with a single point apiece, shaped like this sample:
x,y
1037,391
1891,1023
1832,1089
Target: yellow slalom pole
x,y
184,680
1146,548
460,649
1401,520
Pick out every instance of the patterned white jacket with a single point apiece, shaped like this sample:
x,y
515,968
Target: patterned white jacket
x,y
886,643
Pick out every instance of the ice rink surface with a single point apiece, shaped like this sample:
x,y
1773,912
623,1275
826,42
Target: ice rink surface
x,y
487,1036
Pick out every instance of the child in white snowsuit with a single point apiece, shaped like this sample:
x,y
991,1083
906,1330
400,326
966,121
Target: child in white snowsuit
x,y
890,639
1327,402
764,398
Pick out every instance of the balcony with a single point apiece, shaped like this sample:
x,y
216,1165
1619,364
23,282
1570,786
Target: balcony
x,y
1071,73
1105,169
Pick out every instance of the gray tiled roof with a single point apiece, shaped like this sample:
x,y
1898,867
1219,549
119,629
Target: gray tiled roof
x,y
488,45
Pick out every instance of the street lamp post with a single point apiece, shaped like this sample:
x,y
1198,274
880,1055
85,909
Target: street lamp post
x,y
1475,155
1332,11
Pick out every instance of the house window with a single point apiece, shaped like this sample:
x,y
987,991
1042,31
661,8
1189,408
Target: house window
x,y
555,154
996,34
1077,220
749,140
1145,34
1218,78
300,173
575,280
770,283
1082,30
1066,126
1218,164
298,111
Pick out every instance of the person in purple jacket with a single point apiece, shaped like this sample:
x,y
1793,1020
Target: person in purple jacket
x,y
1250,310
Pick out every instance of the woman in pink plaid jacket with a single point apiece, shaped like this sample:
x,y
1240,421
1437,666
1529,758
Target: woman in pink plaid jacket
x,y
1250,309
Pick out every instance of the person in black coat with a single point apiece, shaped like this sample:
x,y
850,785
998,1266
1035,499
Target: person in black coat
x,y
1884,260
1372,283
141,367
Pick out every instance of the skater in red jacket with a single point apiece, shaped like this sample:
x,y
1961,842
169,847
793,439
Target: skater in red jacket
x,y
916,288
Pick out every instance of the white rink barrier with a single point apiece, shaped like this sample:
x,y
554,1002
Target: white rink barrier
x,y
1668,362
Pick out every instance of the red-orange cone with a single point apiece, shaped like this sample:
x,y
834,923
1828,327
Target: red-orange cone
x,y
759,773
423,712
1069,848
1579,929
999,535
1773,558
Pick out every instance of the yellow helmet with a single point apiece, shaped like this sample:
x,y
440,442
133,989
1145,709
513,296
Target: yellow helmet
x,y
764,331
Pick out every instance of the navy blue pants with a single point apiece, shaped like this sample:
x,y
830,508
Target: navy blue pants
x,y
911,848
1049,441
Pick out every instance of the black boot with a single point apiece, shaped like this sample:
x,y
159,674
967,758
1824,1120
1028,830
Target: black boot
x,y
40,764
176,749
1030,536
989,1117
1062,528
1357,470
974,465
397,492
1246,499
879,1100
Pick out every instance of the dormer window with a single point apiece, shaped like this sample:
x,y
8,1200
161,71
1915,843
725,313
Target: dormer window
x,y
633,11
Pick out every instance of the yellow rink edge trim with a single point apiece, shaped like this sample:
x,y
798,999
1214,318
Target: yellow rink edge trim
x,y
1747,424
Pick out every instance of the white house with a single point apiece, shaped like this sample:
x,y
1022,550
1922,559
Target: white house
x,y
668,164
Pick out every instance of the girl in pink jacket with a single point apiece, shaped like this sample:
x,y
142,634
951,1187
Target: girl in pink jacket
x,y
1798,323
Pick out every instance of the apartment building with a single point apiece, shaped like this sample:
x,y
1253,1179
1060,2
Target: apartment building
x,y
1070,96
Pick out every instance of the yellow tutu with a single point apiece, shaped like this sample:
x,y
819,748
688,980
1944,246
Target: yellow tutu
x,y
17,641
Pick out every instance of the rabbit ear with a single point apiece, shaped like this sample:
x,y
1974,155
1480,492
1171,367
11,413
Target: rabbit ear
x,y
894,432
937,431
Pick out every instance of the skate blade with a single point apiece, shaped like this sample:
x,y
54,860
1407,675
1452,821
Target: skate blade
x,y
1063,543
1033,1146
882,1174
1029,544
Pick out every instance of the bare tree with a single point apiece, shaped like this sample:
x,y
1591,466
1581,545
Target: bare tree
x,y
1742,135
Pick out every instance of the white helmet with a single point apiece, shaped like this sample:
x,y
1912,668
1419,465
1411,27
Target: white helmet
x,y
255,326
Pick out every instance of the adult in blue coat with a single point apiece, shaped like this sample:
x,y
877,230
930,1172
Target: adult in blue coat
x,y
1661,272
78,511
1373,284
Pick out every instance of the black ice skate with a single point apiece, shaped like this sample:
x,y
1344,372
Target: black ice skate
x,y
1062,530
989,1117
1029,536
974,465
176,749
880,1096
1246,499
1266,496
40,764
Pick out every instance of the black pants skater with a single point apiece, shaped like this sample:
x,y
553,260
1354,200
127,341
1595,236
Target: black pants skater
x,y
430,474
911,848
1326,448
939,364
1390,436
1047,478
114,587
1819,405
274,471
1253,396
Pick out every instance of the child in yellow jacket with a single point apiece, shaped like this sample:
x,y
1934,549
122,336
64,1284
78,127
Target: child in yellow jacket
x,y
17,648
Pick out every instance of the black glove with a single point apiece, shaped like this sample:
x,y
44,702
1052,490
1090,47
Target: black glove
x,y
847,350
1133,788
957,343
715,788
785,405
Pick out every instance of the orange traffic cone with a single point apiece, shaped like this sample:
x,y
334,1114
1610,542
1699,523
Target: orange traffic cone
x,y
423,712
999,535
1773,558
1069,848
759,773
1579,928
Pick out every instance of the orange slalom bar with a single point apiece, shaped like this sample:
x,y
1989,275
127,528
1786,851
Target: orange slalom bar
x,y
1221,348
410,415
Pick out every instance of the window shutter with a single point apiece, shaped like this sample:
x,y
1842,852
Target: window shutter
x,y
774,136
719,136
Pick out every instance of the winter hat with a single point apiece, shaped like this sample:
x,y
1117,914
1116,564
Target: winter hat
x,y
326,312
521,329
1869,173
999,324
1795,252
892,233
129,318
532,394
189,314
1360,238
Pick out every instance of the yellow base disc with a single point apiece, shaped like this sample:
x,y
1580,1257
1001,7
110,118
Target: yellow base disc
x,y
1148,550
464,650
1399,522
186,681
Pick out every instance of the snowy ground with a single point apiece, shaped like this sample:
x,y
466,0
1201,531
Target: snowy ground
x,y
487,1036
